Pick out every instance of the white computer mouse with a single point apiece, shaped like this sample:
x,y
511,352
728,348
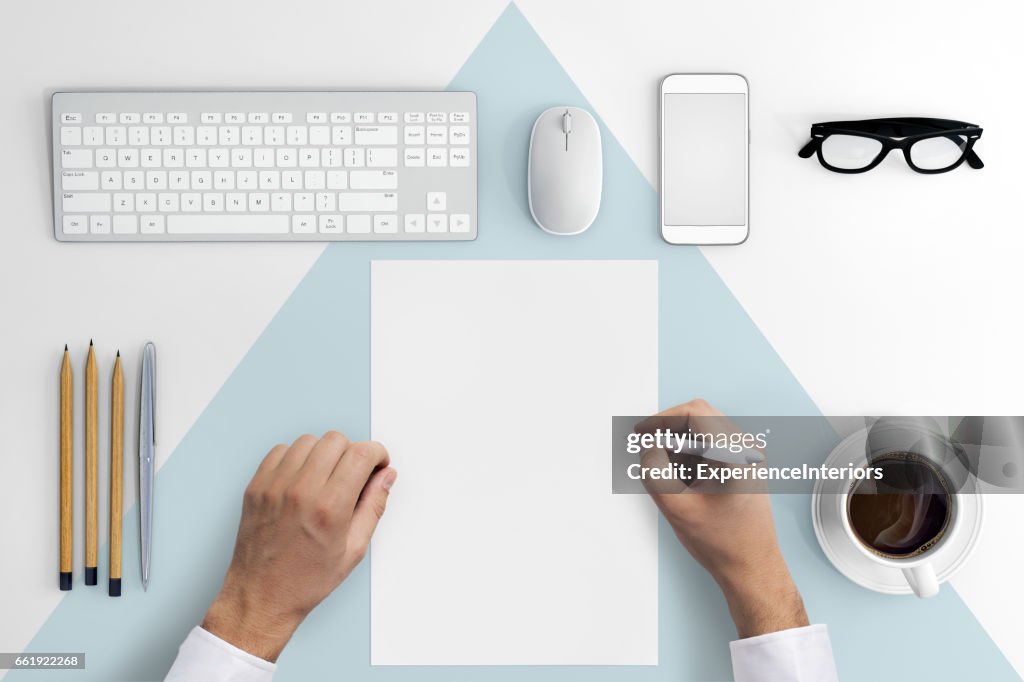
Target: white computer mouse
x,y
565,170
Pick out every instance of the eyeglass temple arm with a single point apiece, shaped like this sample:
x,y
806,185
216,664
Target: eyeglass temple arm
x,y
809,148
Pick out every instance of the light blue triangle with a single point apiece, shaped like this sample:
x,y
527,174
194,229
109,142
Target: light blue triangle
x,y
309,372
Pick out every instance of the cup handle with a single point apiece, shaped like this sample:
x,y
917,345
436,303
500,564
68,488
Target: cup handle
x,y
922,580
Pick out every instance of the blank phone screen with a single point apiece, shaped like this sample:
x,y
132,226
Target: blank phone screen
x,y
704,159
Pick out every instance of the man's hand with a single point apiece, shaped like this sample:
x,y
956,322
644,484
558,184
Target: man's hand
x,y
307,519
731,534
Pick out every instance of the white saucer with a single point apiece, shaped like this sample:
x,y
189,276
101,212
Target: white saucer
x,y
848,559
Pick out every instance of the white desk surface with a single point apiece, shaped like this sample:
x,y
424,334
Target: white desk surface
x,y
889,292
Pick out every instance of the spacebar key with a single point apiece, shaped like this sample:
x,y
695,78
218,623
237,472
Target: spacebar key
x,y
227,224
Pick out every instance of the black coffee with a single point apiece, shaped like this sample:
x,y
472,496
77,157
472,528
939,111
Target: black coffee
x,y
906,512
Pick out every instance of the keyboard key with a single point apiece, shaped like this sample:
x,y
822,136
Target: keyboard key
x,y
177,118
130,118
213,202
111,180
281,118
212,117
128,158
259,118
437,135
382,157
459,135
359,224
252,135
178,180
168,203
234,117
191,202
296,135
228,136
152,117
227,224
86,203
384,202
259,202
437,222
280,202
387,117
367,135
79,180
325,201
159,135
273,135
317,180
317,117
363,117
70,118
106,118
341,135
414,117
414,135
145,202
355,158
75,224
303,224
126,224
70,136
206,136
437,157
304,201
320,135
414,156
76,158
458,157
385,224
152,224
331,222
459,117
124,203
106,158
99,224
236,202
460,223
437,201
373,179
437,117
415,222
184,136
93,135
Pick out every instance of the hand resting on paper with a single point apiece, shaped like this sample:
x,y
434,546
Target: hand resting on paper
x,y
731,534
307,518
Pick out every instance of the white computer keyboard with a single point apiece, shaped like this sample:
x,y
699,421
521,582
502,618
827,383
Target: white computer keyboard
x,y
276,166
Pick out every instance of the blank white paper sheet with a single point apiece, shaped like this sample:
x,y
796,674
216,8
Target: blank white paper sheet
x,y
493,387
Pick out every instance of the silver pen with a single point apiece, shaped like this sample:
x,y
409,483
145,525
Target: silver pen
x,y
147,456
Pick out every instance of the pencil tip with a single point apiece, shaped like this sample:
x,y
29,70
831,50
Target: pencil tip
x,y
65,346
90,342
118,352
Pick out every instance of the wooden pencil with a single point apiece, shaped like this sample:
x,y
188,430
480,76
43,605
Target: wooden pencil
x,y
116,475
66,441
91,466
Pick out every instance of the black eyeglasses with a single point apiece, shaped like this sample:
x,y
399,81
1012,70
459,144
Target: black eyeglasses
x,y
930,145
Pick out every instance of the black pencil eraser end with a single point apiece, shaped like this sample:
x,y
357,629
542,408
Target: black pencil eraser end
x,y
90,575
65,581
115,587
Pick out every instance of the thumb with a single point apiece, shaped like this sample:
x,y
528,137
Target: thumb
x,y
370,507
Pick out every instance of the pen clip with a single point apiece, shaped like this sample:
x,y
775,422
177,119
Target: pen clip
x,y
149,389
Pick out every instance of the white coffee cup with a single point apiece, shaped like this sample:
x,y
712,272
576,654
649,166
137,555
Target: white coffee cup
x,y
919,569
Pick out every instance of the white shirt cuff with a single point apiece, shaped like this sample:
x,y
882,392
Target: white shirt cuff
x,y
795,655
204,657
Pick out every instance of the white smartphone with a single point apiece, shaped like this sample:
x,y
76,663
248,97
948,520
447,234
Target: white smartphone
x,y
705,140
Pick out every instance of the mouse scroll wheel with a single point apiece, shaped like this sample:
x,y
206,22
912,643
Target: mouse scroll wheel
x,y
567,123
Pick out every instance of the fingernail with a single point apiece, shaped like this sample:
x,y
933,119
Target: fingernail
x,y
389,479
